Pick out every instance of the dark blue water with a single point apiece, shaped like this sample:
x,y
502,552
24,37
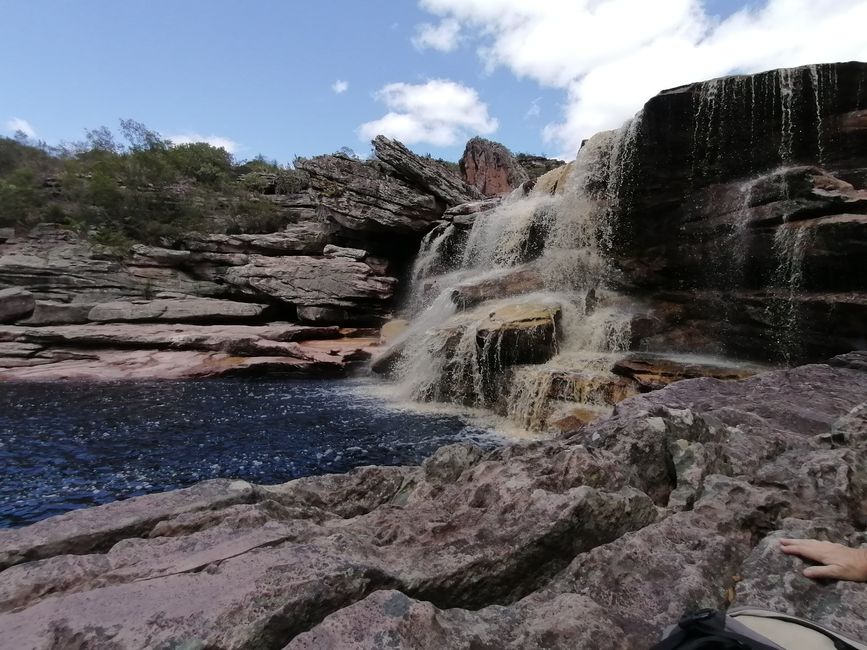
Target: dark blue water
x,y
66,445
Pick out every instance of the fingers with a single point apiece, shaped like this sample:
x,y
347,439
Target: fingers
x,y
807,548
819,572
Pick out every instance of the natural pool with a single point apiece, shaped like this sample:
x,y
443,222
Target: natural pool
x,y
71,445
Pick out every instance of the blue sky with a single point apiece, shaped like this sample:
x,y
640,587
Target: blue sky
x,y
260,75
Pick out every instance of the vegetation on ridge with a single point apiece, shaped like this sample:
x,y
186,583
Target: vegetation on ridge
x,y
143,188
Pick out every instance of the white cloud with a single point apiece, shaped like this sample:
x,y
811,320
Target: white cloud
x,y
17,124
214,140
443,37
439,112
340,86
535,109
610,56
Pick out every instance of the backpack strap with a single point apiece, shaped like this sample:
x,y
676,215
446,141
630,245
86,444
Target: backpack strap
x,y
840,641
706,628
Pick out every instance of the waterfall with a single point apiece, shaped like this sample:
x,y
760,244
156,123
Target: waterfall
x,y
513,303
786,85
790,244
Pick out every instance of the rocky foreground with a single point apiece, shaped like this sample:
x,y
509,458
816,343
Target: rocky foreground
x,y
597,540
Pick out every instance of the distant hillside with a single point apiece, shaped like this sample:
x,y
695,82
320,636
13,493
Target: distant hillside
x,y
140,190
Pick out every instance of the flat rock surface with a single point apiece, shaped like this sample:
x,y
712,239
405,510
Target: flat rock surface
x,y
117,351
593,541
188,310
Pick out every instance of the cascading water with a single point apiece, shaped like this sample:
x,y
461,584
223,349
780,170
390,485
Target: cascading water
x,y
513,308
512,305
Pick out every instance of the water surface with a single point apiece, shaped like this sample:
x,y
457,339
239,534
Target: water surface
x,y
71,445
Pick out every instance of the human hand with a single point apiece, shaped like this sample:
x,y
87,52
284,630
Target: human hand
x,y
837,562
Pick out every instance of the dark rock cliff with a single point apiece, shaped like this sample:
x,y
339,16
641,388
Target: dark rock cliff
x,y
743,211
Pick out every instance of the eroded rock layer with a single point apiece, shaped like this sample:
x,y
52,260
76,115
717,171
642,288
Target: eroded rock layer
x,y
597,540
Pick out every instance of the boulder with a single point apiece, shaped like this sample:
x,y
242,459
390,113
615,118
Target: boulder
x,y
491,168
15,303
425,173
187,310
6,234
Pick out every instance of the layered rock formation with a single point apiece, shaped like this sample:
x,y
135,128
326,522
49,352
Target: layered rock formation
x,y
491,167
752,237
357,225
597,540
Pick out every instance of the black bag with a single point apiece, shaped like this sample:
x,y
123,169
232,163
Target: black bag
x,y
709,629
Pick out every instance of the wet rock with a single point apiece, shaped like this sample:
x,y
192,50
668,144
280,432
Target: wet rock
x,y
555,181
491,168
461,214
784,224
392,330
510,282
15,304
652,372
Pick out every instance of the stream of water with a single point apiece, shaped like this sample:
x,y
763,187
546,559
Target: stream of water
x,y
69,445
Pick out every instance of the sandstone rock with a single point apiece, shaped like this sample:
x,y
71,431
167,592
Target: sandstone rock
x,y
392,330
187,359
652,372
98,529
783,220
188,310
15,303
491,168
311,281
211,338
47,312
356,254
156,256
471,208
425,173
511,282
298,239
330,315
359,197
555,181
56,265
